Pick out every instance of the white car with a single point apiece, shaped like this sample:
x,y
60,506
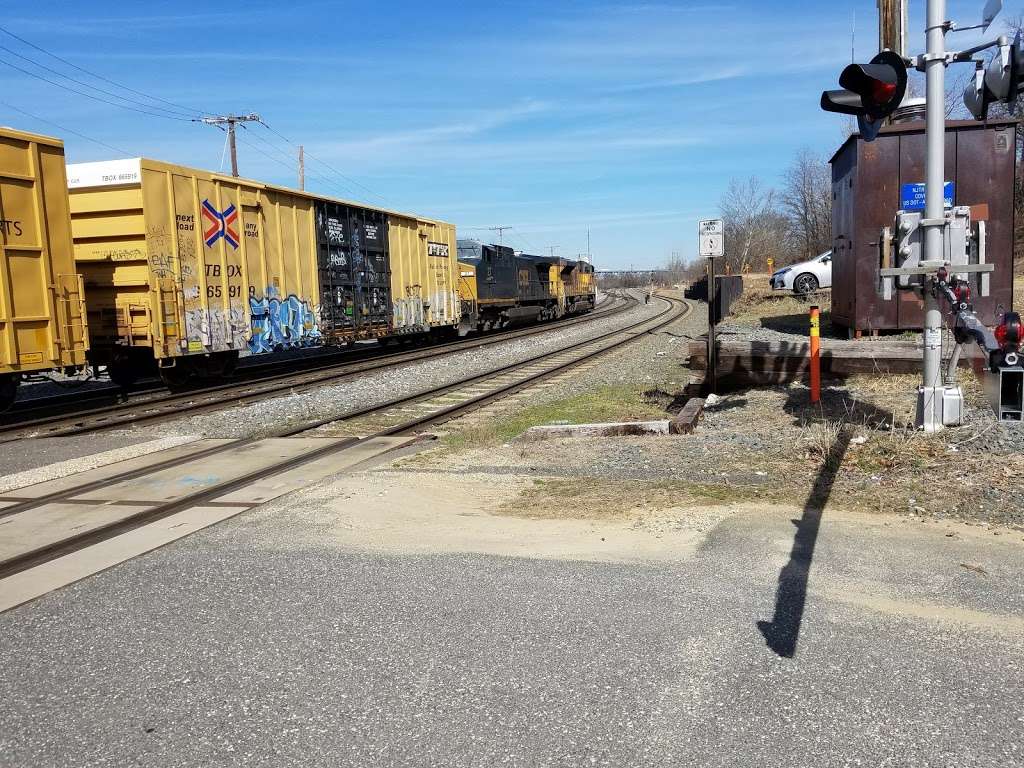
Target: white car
x,y
804,277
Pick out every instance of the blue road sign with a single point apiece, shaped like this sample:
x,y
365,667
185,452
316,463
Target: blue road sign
x,y
912,196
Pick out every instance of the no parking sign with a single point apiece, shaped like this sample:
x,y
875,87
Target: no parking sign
x,y
711,238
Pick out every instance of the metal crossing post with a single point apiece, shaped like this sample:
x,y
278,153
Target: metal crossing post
x,y
930,394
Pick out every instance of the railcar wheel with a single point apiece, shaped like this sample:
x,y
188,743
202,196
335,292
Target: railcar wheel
x,y
177,377
8,390
229,361
122,372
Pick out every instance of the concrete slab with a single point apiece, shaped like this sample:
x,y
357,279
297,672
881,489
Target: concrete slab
x,y
608,429
35,528
180,481
109,470
54,522
34,582
314,471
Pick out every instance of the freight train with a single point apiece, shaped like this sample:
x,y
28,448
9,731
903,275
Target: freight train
x,y
499,287
143,266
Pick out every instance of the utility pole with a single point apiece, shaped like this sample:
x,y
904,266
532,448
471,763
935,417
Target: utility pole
x,y
500,231
589,257
892,26
551,250
230,121
302,168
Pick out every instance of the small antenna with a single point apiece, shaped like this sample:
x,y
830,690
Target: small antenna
x,y
853,37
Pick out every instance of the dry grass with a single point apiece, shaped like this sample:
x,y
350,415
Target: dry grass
x,y
760,306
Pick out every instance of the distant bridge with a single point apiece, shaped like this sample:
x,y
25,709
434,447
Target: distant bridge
x,y
661,273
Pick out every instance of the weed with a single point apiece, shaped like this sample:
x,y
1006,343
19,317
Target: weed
x,y
610,403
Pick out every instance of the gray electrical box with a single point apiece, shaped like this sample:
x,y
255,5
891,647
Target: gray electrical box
x,y
1005,391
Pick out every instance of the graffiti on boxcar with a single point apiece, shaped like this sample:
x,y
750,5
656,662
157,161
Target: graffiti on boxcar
x,y
238,328
127,254
195,323
216,330
277,322
160,245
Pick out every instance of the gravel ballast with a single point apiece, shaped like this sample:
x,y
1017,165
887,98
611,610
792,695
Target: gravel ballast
x,y
86,453
383,385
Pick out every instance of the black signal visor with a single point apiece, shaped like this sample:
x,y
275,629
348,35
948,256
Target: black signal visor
x,y
846,102
881,84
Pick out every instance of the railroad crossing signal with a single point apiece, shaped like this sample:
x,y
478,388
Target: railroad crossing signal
x,y
871,92
1000,81
711,238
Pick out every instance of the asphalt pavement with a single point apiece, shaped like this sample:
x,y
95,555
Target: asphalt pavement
x,y
892,644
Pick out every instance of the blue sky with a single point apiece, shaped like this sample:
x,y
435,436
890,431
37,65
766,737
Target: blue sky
x,y
549,117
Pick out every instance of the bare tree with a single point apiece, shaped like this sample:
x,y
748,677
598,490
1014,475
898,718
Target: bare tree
x,y
807,203
755,229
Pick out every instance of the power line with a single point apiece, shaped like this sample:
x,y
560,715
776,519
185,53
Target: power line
x,y
287,163
326,164
97,76
267,155
89,95
93,87
273,159
526,240
180,112
312,176
68,130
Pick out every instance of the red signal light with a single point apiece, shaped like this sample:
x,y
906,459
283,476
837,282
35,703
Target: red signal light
x,y
1009,332
882,92
1000,334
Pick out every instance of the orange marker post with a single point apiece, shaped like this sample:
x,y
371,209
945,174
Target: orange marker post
x,y
815,356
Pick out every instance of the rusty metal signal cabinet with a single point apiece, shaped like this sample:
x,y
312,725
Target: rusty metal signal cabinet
x,y
870,180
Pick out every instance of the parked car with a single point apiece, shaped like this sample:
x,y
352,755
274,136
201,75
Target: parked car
x,y
804,277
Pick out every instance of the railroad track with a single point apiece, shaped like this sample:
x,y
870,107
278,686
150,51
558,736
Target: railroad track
x,y
163,406
48,408
26,509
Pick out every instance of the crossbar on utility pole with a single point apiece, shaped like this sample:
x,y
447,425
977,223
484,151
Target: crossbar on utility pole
x,y
501,232
230,121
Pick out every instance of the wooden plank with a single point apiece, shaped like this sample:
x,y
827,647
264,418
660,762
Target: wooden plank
x,y
686,420
782,362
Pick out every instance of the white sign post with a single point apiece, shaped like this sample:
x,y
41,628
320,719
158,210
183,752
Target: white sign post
x,y
711,245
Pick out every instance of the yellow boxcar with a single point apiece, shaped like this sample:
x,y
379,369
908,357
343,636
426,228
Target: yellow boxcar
x,y
193,269
42,323
424,274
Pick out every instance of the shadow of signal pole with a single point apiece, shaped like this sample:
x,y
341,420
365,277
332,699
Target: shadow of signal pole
x,y
782,631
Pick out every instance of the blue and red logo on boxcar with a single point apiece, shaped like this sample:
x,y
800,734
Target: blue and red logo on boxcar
x,y
220,224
